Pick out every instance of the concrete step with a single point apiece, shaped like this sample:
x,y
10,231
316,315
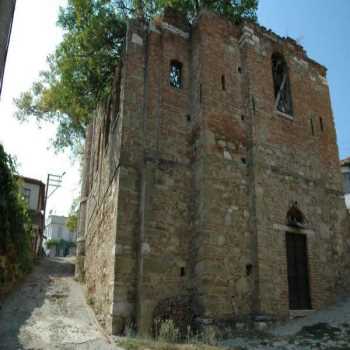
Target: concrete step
x,y
300,313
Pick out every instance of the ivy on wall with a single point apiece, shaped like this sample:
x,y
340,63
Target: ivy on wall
x,y
15,224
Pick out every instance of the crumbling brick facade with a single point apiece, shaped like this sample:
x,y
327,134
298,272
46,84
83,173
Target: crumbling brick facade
x,y
206,144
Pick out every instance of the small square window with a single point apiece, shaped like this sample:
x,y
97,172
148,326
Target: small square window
x,y
175,76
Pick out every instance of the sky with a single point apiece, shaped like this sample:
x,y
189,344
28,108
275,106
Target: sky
x,y
34,36
321,26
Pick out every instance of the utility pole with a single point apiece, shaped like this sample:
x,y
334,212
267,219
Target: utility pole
x,y
53,181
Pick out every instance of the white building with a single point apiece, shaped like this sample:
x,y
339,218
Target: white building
x,y
56,230
345,169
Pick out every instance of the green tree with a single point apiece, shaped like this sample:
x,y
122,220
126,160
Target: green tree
x,y
72,220
82,67
234,10
80,70
15,222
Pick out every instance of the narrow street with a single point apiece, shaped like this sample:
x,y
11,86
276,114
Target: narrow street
x,y
48,311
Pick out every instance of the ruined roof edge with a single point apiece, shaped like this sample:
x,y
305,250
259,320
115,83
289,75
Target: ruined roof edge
x,y
260,29
288,39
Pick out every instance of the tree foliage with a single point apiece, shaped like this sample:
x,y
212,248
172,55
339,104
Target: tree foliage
x,y
15,222
72,220
82,66
80,70
234,10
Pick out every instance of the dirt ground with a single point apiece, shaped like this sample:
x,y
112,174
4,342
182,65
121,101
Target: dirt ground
x,y
48,311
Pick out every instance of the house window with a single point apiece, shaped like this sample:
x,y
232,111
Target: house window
x,y
283,98
175,76
26,195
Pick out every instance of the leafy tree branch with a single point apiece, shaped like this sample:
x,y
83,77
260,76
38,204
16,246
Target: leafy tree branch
x,y
82,67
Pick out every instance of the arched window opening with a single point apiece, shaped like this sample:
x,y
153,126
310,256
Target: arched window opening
x,y
312,127
223,83
175,75
283,98
295,216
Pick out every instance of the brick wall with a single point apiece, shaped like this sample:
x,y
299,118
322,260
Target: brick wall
x,y
191,186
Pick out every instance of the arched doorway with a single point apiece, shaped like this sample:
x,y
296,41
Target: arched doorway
x,y
297,262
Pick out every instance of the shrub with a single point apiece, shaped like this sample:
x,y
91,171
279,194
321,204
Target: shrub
x,y
15,222
209,335
168,331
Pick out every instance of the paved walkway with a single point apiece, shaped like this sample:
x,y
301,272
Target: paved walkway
x,y
48,311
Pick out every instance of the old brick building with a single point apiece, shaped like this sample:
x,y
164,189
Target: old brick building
x,y
212,180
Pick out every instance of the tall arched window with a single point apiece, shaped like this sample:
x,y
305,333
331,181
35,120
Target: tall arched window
x,y
283,97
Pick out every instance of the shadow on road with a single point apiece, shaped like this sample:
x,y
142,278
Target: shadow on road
x,y
20,305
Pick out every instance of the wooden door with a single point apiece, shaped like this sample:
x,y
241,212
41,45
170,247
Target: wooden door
x,y
298,275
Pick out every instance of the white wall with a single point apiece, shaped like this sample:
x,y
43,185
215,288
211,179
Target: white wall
x,y
56,229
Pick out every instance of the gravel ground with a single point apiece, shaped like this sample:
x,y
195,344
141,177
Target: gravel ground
x,y
326,329
48,311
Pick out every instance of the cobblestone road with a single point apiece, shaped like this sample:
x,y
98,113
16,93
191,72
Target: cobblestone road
x,y
48,311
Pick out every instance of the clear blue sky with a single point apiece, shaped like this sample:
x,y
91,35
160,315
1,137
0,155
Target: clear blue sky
x,y
323,28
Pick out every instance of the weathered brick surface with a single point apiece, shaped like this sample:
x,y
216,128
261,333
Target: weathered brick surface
x,y
189,196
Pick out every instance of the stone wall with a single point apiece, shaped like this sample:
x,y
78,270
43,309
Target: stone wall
x,y
223,243
189,187
101,208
